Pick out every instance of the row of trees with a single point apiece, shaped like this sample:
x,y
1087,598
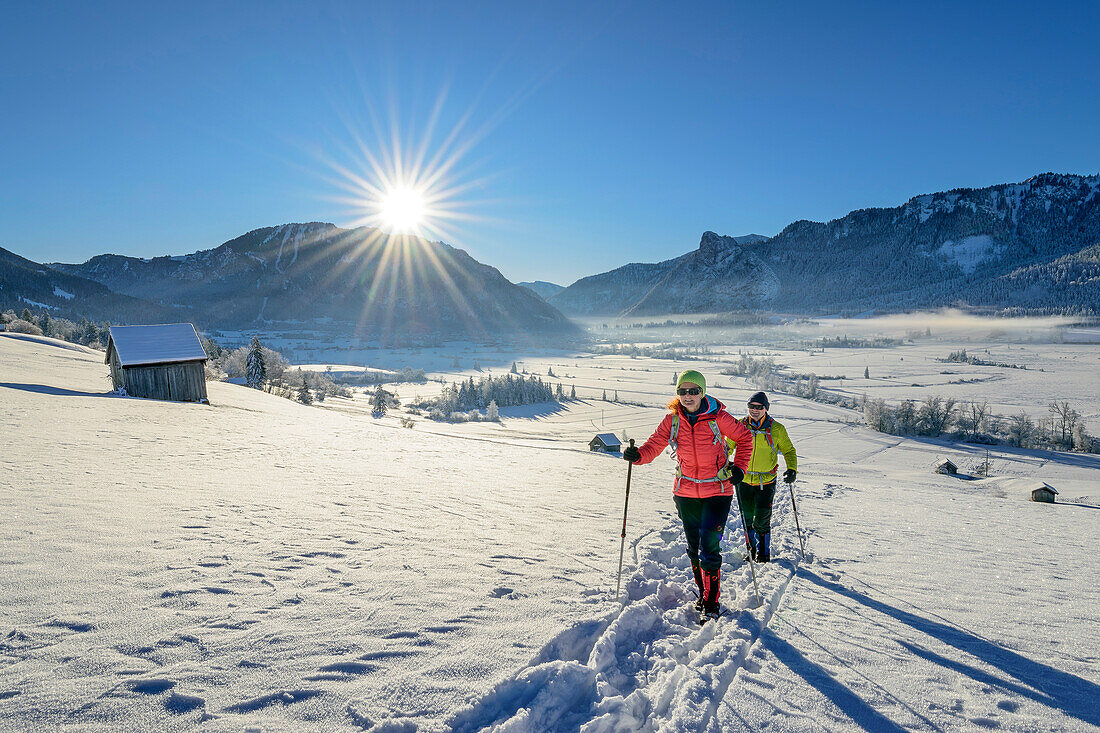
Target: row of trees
x,y
961,357
263,368
43,324
1062,428
459,399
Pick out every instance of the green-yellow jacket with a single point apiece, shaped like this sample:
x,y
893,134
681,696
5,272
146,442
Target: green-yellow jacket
x,y
769,439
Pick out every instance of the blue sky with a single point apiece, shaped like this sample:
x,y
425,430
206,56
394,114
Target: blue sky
x,y
591,134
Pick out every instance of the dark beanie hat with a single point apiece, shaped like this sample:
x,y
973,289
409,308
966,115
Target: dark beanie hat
x,y
761,399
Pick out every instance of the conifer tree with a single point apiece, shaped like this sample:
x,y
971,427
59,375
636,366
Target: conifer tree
x,y
378,402
573,392
514,369
255,367
492,412
866,372
304,395
604,398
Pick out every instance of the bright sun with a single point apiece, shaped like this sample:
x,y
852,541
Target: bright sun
x,y
403,210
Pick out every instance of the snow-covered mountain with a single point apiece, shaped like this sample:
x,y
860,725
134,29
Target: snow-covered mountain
x,y
976,246
708,278
381,285
28,284
1026,245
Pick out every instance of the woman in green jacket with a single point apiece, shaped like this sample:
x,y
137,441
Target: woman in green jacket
x,y
756,491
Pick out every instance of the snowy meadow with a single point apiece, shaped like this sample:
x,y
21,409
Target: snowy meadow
x,y
258,564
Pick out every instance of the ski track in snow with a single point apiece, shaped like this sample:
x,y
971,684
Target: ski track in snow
x,y
649,666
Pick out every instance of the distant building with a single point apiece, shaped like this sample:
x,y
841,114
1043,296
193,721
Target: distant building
x,y
163,362
946,467
1043,492
605,443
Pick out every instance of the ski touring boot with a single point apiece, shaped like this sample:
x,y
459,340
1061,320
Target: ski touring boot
x,y
711,609
699,592
764,548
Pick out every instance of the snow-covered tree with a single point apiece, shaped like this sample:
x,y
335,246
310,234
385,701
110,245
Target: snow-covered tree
x,y
1021,430
514,369
379,403
1081,440
877,415
492,412
304,395
572,391
256,367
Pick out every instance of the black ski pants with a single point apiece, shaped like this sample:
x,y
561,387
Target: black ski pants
x,y
756,503
704,522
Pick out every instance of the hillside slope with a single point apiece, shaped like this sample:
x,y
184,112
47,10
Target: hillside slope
x,y
259,563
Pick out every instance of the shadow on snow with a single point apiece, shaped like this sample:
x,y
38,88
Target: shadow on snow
x,y
1073,695
58,391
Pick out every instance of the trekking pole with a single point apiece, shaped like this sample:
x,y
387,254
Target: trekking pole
x,y
794,506
745,528
622,544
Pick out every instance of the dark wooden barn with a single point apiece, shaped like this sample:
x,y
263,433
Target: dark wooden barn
x,y
163,362
605,443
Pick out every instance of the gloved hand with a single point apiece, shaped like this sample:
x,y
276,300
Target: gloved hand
x,y
632,454
736,474
789,475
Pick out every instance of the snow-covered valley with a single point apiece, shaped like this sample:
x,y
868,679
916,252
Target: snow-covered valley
x,y
257,564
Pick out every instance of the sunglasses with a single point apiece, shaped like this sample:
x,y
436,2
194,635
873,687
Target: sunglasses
x,y
756,407
690,390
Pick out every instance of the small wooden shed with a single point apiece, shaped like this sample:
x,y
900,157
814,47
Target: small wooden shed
x,y
1043,492
945,466
605,443
162,362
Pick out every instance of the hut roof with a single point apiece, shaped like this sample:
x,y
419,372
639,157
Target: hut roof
x,y
944,462
161,344
1037,485
608,439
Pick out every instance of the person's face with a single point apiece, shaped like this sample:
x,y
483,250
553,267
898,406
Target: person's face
x,y
689,400
757,411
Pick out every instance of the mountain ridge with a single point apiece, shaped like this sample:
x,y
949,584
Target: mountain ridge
x,y
382,285
964,246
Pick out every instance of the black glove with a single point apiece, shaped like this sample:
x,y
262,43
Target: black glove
x,y
736,474
632,454
789,475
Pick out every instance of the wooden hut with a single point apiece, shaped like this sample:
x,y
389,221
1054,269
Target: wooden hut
x,y
1043,492
605,443
945,467
163,362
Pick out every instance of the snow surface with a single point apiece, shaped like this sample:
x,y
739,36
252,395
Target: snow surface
x,y
256,564
968,252
62,294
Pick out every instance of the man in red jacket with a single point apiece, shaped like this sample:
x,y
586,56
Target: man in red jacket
x,y
697,427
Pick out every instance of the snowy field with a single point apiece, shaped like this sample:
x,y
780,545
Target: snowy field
x,y
256,564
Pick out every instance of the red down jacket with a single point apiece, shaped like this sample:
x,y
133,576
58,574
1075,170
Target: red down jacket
x,y
699,453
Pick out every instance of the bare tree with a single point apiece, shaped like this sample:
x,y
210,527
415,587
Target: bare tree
x,y
1064,418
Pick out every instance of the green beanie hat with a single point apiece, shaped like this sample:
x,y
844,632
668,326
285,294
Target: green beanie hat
x,y
690,375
